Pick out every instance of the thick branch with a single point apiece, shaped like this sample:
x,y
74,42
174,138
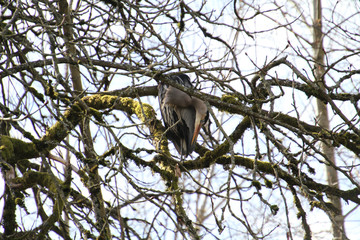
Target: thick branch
x,y
13,149
268,168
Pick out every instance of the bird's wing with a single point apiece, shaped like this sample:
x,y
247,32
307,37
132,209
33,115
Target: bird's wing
x,y
179,132
168,112
188,122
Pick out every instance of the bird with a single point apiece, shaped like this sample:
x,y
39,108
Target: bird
x,y
183,115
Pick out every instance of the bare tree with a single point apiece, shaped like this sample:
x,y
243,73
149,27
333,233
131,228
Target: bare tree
x,y
84,153
324,122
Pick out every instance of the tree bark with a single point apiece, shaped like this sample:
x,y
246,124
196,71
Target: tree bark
x,y
324,122
92,167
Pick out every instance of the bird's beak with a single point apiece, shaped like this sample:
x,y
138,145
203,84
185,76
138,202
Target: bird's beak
x,y
197,130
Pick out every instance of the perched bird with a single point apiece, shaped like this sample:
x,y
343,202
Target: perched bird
x,y
183,115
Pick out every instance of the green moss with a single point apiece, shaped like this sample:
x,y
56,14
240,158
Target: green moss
x,y
96,114
9,215
274,209
268,183
107,100
256,184
61,128
147,115
53,135
94,168
28,136
66,188
126,104
6,148
144,111
31,178
229,99
50,91
314,204
13,149
79,155
36,94
222,149
164,147
17,200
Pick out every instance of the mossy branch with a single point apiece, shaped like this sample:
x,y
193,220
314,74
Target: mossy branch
x,y
13,149
210,157
31,179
